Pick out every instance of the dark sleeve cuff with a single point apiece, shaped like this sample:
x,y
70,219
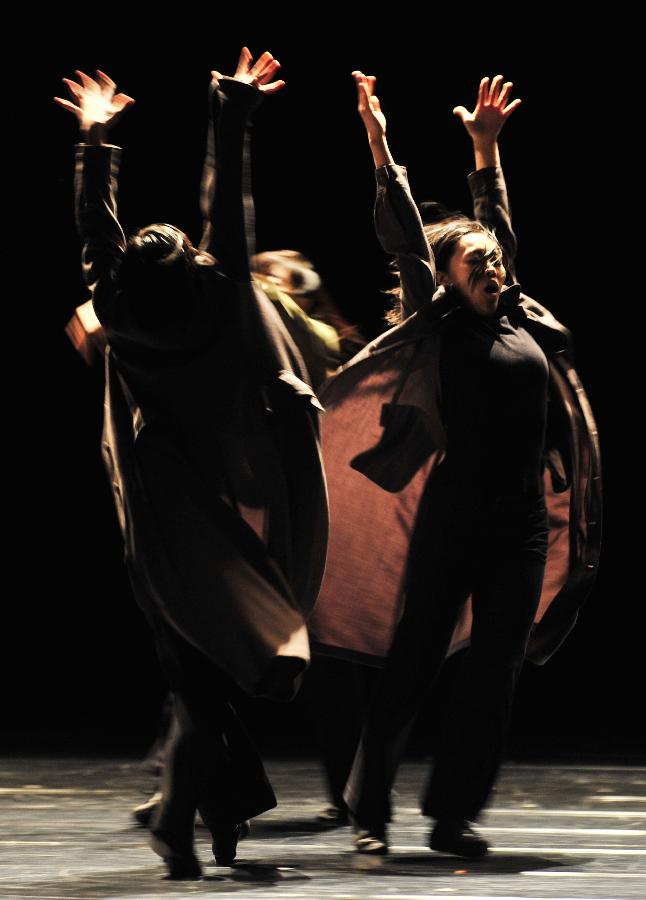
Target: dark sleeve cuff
x,y
238,95
483,181
98,159
391,172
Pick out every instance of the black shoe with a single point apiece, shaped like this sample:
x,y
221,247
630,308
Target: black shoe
x,y
333,815
145,811
181,864
225,842
456,836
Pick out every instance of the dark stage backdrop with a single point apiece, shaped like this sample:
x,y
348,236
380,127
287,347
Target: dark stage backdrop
x,y
81,668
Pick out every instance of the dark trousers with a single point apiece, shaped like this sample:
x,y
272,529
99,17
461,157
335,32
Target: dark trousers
x,y
336,694
211,764
464,542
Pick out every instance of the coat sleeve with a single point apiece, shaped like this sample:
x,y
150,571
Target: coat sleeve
x,y
491,207
400,232
226,202
95,184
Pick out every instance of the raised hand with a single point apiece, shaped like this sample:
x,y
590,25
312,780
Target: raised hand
x,y
95,101
372,117
259,73
369,106
491,110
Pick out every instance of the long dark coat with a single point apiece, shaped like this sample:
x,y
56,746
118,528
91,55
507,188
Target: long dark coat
x,y
383,432
211,433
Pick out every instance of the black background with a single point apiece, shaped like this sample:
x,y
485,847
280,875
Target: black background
x,y
81,671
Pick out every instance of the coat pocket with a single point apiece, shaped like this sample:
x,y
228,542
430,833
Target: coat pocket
x,y
403,448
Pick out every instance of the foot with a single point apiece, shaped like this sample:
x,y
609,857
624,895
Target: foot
x,y
333,815
145,811
456,836
225,842
181,864
371,840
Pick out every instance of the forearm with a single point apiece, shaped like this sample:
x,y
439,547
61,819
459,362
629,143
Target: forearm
x,y
93,134
397,219
400,232
486,154
491,207
96,210
226,197
380,151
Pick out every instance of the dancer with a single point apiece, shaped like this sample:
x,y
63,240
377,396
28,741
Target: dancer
x,y
435,437
210,441
333,690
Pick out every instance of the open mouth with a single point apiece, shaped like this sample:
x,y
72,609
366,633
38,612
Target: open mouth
x,y
491,288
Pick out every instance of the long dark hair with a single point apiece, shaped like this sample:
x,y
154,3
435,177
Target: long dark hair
x,y
156,276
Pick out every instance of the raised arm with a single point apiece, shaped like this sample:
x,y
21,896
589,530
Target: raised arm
x,y
397,220
97,107
226,202
487,182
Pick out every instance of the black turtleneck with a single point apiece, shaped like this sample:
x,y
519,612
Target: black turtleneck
x,y
494,380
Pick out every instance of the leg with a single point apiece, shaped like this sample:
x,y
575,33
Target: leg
x,y
336,691
155,761
212,764
505,598
438,581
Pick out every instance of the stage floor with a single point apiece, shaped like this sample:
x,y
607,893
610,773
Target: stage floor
x,y
558,832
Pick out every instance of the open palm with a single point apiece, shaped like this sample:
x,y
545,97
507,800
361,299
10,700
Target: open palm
x,y
94,100
491,110
259,73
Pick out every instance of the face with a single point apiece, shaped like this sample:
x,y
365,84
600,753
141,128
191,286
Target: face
x,y
477,273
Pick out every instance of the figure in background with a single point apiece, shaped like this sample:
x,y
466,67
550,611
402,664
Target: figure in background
x,y
324,336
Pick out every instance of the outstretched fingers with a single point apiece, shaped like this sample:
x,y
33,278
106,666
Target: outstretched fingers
x,y
120,102
263,64
365,88
503,96
363,92
369,106
483,91
76,92
508,110
260,74
494,90
244,61
492,109
65,104
104,79
87,83
94,100
74,89
268,72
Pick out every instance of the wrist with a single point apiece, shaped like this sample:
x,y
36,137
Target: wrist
x,y
380,151
93,132
239,94
483,143
486,153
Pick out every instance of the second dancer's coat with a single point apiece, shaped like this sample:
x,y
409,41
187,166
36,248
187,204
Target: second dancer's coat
x,y
383,432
